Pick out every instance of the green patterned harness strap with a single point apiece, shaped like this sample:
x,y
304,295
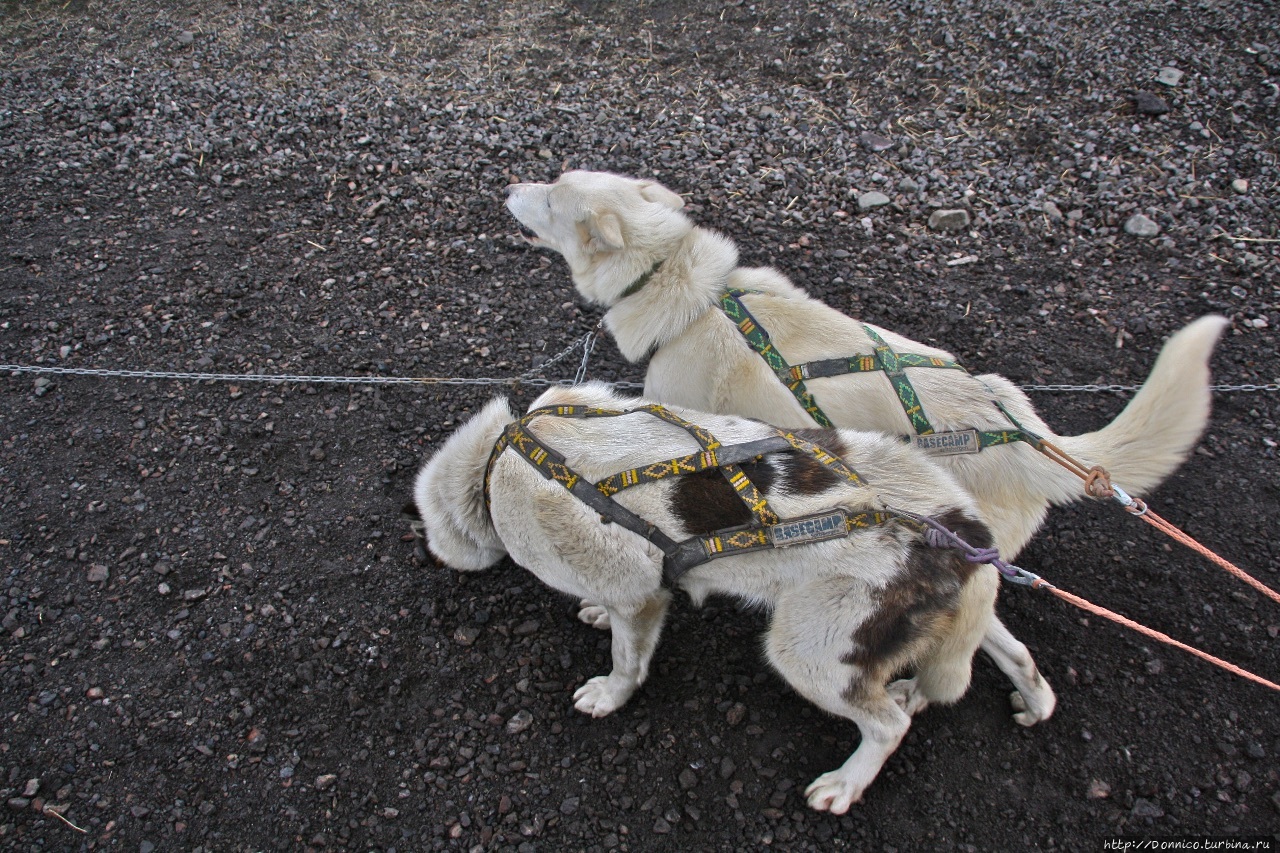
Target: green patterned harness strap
x,y
765,530
892,364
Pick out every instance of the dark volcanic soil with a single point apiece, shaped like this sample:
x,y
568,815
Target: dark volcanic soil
x,y
214,636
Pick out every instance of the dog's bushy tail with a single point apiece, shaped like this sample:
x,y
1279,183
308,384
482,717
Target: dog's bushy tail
x,y
1158,429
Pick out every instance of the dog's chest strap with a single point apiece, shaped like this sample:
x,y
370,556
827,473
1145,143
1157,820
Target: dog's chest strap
x,y
766,530
885,359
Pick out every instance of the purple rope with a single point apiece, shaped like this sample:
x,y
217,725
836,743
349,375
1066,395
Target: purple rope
x,y
938,536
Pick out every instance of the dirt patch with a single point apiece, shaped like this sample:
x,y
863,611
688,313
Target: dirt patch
x,y
214,636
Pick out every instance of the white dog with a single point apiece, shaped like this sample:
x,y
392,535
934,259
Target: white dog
x,y
856,600
631,250
663,280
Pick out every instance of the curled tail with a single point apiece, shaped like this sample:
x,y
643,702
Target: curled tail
x,y
1158,429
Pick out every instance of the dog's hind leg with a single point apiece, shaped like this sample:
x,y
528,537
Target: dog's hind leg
x,y
1033,700
943,674
635,636
594,615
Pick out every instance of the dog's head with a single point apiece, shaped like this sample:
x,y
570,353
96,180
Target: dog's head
x,y
609,228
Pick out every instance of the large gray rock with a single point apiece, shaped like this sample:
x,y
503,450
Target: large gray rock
x,y
871,200
949,220
1141,226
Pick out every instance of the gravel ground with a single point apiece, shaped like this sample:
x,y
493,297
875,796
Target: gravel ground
x,y
214,636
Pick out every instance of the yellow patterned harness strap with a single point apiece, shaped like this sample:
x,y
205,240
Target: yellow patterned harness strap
x,y
765,530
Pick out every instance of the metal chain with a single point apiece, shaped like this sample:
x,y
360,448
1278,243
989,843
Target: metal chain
x,y
587,341
1274,386
582,341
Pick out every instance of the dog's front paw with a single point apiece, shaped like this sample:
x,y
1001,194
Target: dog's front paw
x,y
906,692
1035,708
601,696
594,615
833,792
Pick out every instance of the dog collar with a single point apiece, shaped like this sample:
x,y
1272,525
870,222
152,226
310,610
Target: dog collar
x,y
636,285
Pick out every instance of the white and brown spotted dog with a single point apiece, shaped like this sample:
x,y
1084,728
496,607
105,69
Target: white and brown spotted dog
x,y
631,249
848,614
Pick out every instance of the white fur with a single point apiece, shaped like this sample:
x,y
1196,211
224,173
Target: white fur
x,y
700,360
820,594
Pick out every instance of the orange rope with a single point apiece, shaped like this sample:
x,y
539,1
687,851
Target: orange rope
x,y
1154,634
1097,483
1173,532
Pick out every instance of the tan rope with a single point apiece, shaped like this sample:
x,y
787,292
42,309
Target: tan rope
x,y
1154,634
1142,511
1097,483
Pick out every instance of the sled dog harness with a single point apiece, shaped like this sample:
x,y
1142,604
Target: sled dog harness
x,y
765,530
893,364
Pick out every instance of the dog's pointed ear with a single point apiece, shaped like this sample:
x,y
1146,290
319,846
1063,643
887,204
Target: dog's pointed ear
x,y
605,229
654,192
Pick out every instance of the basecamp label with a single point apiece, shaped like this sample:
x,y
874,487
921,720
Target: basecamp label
x,y
949,443
814,528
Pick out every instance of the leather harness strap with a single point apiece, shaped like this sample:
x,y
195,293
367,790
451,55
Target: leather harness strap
x,y
884,359
765,530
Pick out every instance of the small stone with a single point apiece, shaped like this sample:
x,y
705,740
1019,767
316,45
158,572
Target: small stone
x,y
107,127
569,805
18,803
194,594
736,714
908,186
661,827
871,200
1148,104
42,386
1154,667
98,573
94,693
186,37
1169,76
1240,185
1052,211
1098,790
1146,808
1141,226
524,629
949,220
32,788
544,153
466,635
325,781
875,142
687,778
519,722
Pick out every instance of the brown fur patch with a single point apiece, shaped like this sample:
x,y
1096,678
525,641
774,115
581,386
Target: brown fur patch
x,y
804,475
918,604
705,502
